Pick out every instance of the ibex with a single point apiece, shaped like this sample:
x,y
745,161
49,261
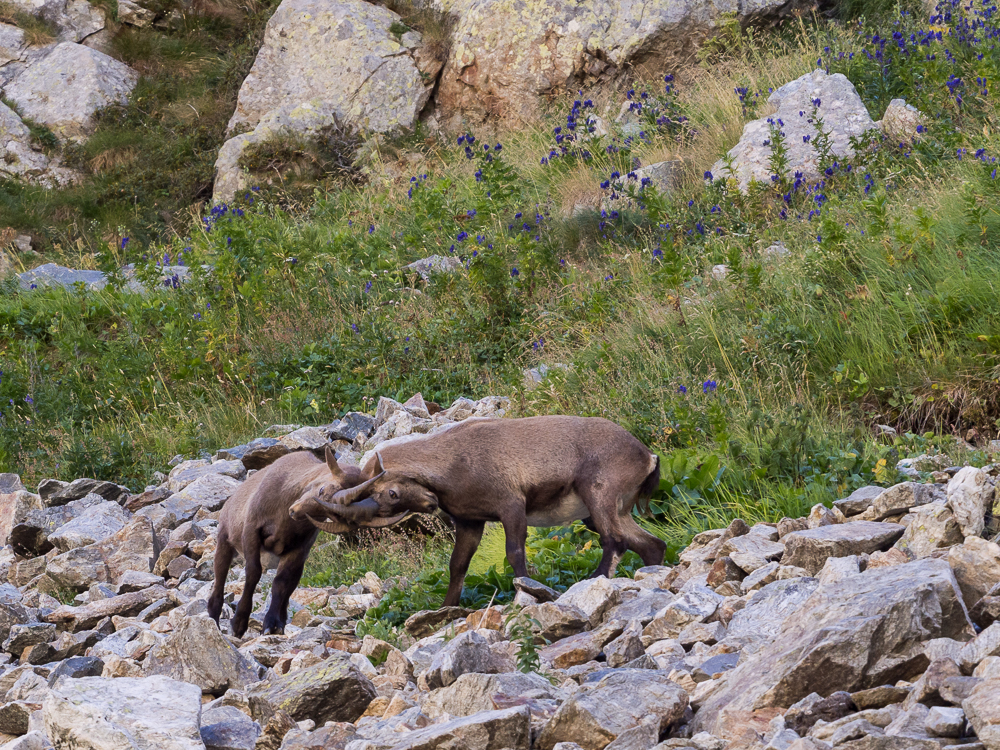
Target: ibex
x,y
274,517
538,471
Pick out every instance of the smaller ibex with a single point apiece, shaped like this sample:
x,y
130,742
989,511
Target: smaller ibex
x,y
538,471
274,518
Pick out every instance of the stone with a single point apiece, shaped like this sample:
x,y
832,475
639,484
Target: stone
x,y
879,697
809,549
925,463
976,565
14,717
558,621
434,264
761,619
53,275
12,611
94,524
900,120
14,508
508,729
87,616
60,493
77,666
987,643
263,452
209,491
540,591
982,709
970,496
198,653
625,647
466,652
945,722
694,605
133,14
10,483
29,634
723,570
592,596
838,568
855,730
702,632
576,649
801,716
844,117
926,688
904,497
761,577
30,537
603,710
228,728
986,611
74,20
858,501
862,632
509,75
751,551
333,690
954,690
932,527
96,713
426,621
473,693
65,89
342,53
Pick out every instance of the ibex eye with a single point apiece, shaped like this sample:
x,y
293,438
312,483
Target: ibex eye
x,y
393,495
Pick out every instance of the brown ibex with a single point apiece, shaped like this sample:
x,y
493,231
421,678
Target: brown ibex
x,y
274,517
538,471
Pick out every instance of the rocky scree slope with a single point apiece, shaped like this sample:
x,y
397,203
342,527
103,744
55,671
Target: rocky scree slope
x,y
872,624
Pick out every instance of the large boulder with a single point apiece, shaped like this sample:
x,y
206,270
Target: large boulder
x,y
15,506
864,631
844,117
65,89
197,652
97,713
601,711
341,52
31,536
467,652
509,68
970,496
94,524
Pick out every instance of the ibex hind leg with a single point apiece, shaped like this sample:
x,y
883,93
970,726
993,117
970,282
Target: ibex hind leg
x,y
223,559
605,521
289,574
251,554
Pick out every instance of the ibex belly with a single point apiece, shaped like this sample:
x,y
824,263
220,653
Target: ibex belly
x,y
268,560
562,512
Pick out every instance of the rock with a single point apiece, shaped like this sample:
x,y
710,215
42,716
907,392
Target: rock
x,y
263,452
923,464
31,741
209,491
769,607
761,577
333,690
900,120
601,711
77,666
31,536
970,496
801,716
473,693
858,501
694,605
95,713
426,621
879,697
353,424
751,551
52,275
553,47
14,508
932,527
228,728
592,596
12,611
558,621
489,730
14,717
976,565
904,497
810,548
576,649
862,632
467,652
74,20
87,616
10,483
62,493
29,634
188,472
94,524
342,53
433,264
540,591
983,711
701,632
626,647
844,117
926,688
197,652
133,14
945,722
724,569
987,643
838,568
65,89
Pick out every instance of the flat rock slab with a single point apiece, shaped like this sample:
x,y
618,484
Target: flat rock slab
x,y
97,713
862,632
810,548
509,729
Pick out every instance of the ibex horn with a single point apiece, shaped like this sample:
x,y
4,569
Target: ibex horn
x,y
350,495
331,527
381,523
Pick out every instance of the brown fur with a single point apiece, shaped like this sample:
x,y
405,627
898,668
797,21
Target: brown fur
x,y
538,471
268,514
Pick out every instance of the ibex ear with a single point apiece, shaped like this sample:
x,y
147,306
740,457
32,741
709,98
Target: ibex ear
x,y
331,461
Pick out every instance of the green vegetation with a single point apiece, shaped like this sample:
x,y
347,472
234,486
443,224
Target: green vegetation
x,y
760,392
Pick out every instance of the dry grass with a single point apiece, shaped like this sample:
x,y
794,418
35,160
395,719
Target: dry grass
x,y
37,32
113,158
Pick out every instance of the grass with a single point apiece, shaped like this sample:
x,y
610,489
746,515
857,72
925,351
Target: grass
x,y
760,392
